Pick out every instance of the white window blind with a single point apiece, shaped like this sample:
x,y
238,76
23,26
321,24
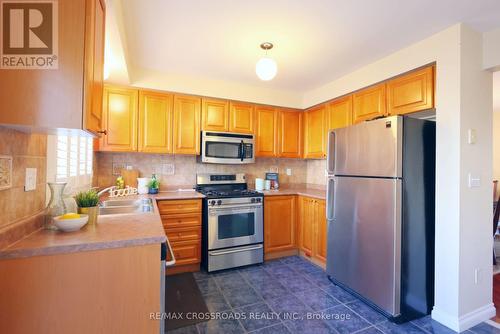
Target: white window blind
x,y
74,160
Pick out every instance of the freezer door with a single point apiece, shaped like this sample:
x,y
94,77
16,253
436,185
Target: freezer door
x,y
371,148
364,239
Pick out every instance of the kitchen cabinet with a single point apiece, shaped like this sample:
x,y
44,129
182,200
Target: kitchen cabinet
x,y
182,223
119,119
214,115
312,228
315,132
290,134
187,112
68,96
340,113
369,103
155,122
241,117
411,92
279,223
266,134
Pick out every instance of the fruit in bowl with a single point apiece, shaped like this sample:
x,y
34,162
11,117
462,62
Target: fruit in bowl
x,y
70,222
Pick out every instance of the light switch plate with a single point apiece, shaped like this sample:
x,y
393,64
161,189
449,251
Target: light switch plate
x,y
474,181
273,169
471,136
5,172
30,180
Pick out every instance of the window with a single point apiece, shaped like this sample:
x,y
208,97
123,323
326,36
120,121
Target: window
x,y
72,161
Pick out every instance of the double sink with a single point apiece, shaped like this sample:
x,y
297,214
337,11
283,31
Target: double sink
x,y
124,206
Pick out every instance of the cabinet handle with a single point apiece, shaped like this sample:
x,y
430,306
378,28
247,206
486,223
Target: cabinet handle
x,y
103,132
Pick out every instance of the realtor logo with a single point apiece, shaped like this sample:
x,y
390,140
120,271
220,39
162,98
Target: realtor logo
x,y
29,34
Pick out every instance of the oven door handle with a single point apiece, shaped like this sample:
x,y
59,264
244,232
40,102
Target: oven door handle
x,y
241,209
230,251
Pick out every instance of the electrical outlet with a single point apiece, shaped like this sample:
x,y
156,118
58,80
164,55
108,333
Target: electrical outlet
x,y
168,169
289,171
273,169
30,179
471,136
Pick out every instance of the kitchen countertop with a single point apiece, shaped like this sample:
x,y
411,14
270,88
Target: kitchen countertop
x,y
302,191
112,231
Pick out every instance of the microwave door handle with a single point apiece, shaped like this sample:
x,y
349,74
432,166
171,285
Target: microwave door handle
x,y
242,150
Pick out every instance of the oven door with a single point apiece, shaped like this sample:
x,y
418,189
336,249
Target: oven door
x,y
227,148
234,226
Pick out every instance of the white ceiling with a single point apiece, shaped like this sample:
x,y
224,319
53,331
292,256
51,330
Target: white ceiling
x,y
316,41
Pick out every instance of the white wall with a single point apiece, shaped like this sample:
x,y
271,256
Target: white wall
x,y
463,215
491,49
496,145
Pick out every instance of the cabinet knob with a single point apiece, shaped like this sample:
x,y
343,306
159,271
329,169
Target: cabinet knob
x,y
103,132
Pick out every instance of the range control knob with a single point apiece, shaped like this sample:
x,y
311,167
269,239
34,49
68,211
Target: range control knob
x,y
259,199
219,202
253,200
212,202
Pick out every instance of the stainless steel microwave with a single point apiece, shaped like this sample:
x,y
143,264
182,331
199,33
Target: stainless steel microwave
x,y
227,148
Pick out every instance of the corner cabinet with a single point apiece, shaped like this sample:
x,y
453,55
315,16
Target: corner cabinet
x,y
290,134
187,112
214,115
69,96
312,228
279,223
266,134
155,122
119,120
411,92
315,133
242,117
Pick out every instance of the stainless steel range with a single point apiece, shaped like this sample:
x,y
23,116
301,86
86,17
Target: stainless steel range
x,y
233,222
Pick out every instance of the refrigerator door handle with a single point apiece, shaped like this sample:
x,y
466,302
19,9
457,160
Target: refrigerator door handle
x,y
330,202
330,166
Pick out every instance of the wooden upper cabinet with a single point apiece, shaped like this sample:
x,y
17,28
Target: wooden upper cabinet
x,y
369,103
266,134
340,113
321,231
411,92
187,112
94,65
155,122
280,217
119,119
290,138
214,115
242,117
70,95
306,222
315,132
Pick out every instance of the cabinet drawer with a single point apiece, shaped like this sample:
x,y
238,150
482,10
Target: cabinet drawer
x,y
181,221
186,252
169,207
183,233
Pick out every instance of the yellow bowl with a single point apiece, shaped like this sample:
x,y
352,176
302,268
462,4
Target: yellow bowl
x,y
71,225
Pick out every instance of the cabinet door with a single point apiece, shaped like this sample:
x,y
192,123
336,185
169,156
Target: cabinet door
x,y
94,65
315,143
411,92
279,226
119,119
369,103
241,117
290,134
320,231
187,110
266,134
307,217
340,113
155,122
214,115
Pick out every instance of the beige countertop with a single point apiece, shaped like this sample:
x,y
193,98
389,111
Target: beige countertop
x,y
111,231
302,191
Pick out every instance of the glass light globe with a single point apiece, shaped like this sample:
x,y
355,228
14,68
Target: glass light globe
x,y
266,68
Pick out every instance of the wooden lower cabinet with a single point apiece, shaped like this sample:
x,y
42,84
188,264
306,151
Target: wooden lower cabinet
x,y
182,223
279,223
312,228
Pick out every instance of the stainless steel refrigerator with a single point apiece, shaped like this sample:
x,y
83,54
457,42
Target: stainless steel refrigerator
x,y
380,212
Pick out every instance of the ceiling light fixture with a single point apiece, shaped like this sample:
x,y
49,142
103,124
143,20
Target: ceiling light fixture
x,y
266,67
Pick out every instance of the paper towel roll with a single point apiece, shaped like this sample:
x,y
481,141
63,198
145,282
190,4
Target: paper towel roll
x,y
259,184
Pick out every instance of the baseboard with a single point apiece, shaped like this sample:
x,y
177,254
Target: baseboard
x,y
465,321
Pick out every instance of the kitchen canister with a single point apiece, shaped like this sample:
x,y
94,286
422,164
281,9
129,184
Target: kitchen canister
x,y
259,184
142,185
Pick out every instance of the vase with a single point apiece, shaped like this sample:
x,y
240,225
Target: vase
x,y
56,206
153,191
92,212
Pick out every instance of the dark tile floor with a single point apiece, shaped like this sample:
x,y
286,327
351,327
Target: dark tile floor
x,y
294,286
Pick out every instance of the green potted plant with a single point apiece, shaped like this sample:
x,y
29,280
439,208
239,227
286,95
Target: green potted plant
x,y
87,202
153,185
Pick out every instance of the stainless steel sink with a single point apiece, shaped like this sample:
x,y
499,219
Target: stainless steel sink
x,y
123,206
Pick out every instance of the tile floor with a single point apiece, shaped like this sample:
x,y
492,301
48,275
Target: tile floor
x,y
293,285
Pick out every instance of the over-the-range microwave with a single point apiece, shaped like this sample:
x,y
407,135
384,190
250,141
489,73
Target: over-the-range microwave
x,y
227,148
